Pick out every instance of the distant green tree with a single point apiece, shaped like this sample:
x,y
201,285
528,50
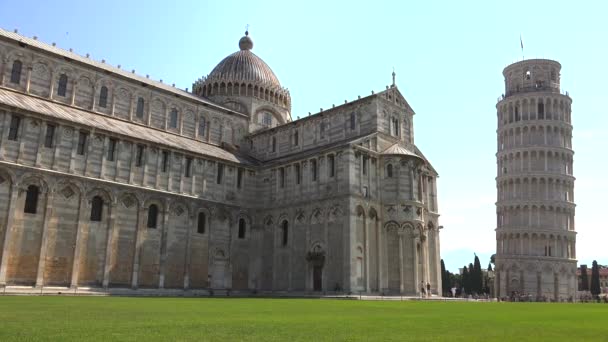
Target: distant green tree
x,y
595,279
489,267
477,277
584,279
467,279
445,279
471,270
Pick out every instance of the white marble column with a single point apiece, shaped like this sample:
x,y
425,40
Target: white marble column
x,y
141,214
80,233
110,242
163,247
188,256
401,272
12,207
43,245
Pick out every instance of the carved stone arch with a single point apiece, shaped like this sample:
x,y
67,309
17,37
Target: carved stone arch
x,y
245,216
283,217
30,178
196,209
104,193
68,71
48,65
158,201
104,81
373,214
188,114
360,212
83,80
13,55
7,175
124,93
137,93
408,227
316,216
175,105
391,225
269,109
317,246
514,267
203,114
300,217
158,103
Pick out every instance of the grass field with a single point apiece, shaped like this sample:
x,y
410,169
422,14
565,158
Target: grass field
x,y
215,319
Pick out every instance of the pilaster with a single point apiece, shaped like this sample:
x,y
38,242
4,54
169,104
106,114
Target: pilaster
x,y
12,207
48,211
80,233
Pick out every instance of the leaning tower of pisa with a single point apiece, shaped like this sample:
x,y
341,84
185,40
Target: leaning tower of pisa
x,y
535,237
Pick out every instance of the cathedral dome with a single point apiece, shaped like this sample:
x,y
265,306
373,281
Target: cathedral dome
x,y
243,73
244,66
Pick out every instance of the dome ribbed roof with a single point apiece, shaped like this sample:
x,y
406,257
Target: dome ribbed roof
x,y
244,66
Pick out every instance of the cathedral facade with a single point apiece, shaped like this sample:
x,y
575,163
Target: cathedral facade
x,y
110,180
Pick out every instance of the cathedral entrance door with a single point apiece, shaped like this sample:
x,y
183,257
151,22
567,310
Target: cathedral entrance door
x,y
217,280
317,278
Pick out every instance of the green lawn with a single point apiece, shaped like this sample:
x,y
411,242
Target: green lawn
x,y
215,319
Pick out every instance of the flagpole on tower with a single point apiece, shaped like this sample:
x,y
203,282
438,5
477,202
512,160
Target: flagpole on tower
x,y
521,43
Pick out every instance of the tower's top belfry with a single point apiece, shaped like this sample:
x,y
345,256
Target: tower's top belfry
x,y
532,75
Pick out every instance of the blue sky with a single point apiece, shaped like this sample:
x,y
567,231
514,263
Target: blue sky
x,y
448,57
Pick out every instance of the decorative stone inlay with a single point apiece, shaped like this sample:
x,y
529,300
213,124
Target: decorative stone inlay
x,y
123,94
178,211
67,132
67,192
128,202
98,141
40,69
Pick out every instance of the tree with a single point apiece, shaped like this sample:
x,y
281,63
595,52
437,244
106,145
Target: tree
x,y
584,279
489,267
471,280
477,278
595,279
445,279
465,280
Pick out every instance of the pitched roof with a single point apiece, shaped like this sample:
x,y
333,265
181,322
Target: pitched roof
x,y
113,125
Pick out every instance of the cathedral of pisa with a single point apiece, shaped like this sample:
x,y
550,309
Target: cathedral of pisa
x,y
111,181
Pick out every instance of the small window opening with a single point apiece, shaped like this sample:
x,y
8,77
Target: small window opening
x,y
242,227
31,199
96,209
152,216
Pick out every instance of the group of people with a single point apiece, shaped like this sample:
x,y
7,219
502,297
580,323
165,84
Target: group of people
x,y
425,291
